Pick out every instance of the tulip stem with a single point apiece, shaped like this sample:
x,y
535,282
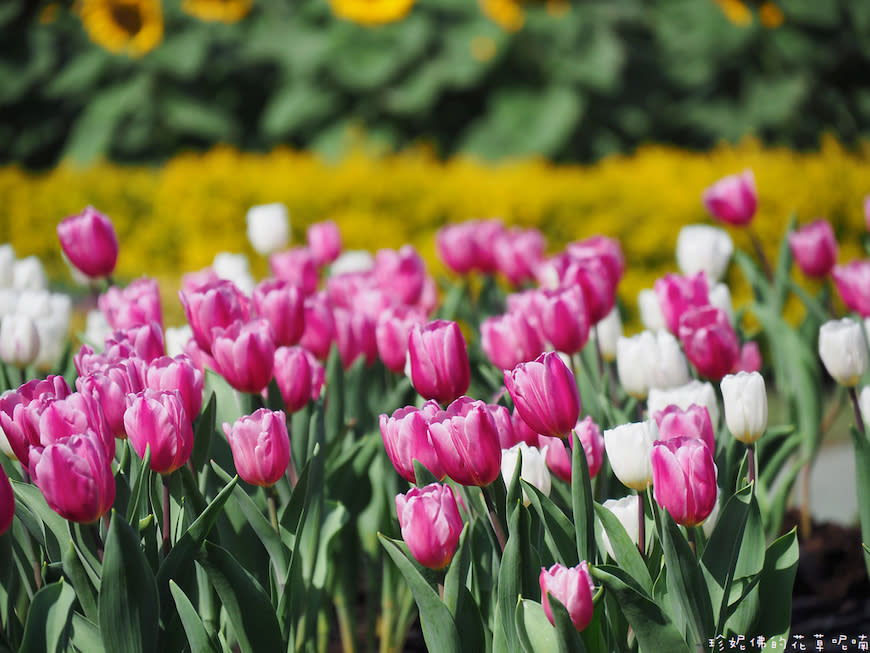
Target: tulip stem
x,y
273,507
95,527
858,419
23,376
750,459
759,252
493,518
641,525
598,355
167,545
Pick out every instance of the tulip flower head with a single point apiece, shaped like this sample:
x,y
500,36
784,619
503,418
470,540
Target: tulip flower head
x,y
439,361
324,241
181,374
702,248
296,265
406,439
814,248
509,339
607,332
625,510
89,242
563,319
674,422
245,354
282,304
517,253
260,445
733,199
268,227
533,470
214,305
853,285
545,394
684,479
158,419
135,305
19,340
628,449
466,441
677,295
693,392
710,342
745,399
573,588
430,523
843,350
299,376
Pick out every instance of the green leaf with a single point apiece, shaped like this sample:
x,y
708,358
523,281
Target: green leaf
x,y
141,481
193,627
201,118
75,572
48,619
248,607
203,432
56,527
439,628
653,628
294,106
128,601
85,635
776,585
459,600
335,417
559,532
624,550
534,630
567,638
862,480
582,503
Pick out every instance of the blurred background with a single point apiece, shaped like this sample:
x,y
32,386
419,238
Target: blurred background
x,y
393,117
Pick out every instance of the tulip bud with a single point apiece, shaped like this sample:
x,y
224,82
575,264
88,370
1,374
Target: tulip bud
x,y
430,523
853,284
457,247
650,360
597,282
504,426
400,274
7,502
534,467
607,250
406,438
75,414
745,399
19,340
750,358
508,340
559,457
351,262
260,445
135,305
29,274
235,268
517,253
608,331
843,350
268,227
319,326
573,588
545,394
709,341
158,418
465,439
299,376
145,342
324,241
181,374
694,392
19,424
674,422
439,361
391,334
702,248
215,305
684,479
245,355
814,248
282,304
75,477
733,199
720,297
563,319
625,510
628,449
89,242
354,336
677,295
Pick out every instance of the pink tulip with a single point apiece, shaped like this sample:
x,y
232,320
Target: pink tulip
x,y
431,524
158,419
684,479
406,438
607,250
391,335
572,587
439,361
215,305
89,242
110,385
261,446
146,341
814,248
7,502
563,318
504,425
469,245
508,340
465,438
181,374
192,282
678,294
526,303
75,477
319,326
75,414
595,279
518,253
19,427
750,358
324,241
522,431
559,456
299,376
296,265
354,337
853,284
344,289
545,394
733,199
694,422
710,342
245,355
135,305
283,305
400,274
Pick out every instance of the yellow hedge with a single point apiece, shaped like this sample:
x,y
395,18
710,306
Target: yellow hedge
x,y
175,218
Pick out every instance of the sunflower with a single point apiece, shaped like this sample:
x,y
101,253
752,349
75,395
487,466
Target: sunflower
x,y
132,26
224,11
372,12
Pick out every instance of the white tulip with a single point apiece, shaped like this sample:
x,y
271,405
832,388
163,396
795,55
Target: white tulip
x,y
625,510
28,274
720,297
843,350
628,449
650,310
53,330
8,301
7,265
19,340
669,368
608,331
268,228
355,260
34,303
235,268
177,339
745,399
694,392
704,248
534,470
633,355
96,329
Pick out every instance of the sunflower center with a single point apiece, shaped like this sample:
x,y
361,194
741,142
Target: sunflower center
x,y
128,17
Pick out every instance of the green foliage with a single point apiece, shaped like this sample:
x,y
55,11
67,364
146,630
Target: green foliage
x,y
571,85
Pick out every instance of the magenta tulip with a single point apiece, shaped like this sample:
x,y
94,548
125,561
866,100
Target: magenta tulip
x,y
465,438
406,438
215,305
710,342
678,294
572,587
72,415
157,418
470,245
563,318
261,446
684,479
7,502
299,376
354,336
75,477
400,274
522,431
135,305
181,374
110,386
750,358
145,341
430,523
607,250
319,326
694,422
733,199
324,241
439,361
509,339
296,265
814,248
595,279
19,425
545,394
391,335
504,425
283,305
245,355
559,456
89,242
518,253
853,285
